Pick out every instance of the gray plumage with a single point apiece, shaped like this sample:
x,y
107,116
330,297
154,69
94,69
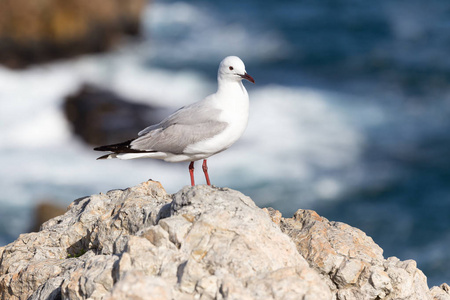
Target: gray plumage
x,y
188,125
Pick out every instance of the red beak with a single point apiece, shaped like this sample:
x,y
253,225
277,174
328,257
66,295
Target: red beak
x,y
248,77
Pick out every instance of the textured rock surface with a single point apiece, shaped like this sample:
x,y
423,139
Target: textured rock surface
x,y
33,31
351,263
441,293
142,243
200,243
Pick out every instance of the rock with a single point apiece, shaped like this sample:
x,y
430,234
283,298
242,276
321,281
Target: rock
x,y
200,243
441,293
351,263
101,117
44,211
138,286
140,243
36,31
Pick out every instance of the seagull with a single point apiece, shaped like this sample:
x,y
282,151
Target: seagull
x,y
196,131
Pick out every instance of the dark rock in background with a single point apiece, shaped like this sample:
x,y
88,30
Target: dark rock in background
x,y
45,211
101,117
37,31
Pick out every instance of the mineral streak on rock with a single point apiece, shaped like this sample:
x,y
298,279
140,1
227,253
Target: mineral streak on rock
x,y
200,243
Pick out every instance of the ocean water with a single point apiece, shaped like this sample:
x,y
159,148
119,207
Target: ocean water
x,y
349,115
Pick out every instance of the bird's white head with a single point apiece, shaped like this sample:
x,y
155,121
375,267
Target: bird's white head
x,y
232,68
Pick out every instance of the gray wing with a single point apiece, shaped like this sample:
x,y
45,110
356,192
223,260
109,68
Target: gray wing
x,y
186,126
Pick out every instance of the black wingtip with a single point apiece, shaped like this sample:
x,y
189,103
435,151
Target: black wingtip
x,y
120,147
124,147
103,148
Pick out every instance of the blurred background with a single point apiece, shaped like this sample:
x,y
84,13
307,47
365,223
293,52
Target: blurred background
x,y
349,114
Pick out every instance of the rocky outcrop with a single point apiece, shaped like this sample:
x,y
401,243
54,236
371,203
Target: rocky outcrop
x,y
351,263
35,31
200,243
101,117
441,293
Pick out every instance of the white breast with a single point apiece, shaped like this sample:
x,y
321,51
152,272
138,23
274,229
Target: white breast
x,y
235,107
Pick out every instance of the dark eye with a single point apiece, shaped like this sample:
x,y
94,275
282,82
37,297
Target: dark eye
x,y
231,68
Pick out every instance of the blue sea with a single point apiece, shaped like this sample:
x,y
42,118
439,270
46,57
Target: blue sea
x,y
350,115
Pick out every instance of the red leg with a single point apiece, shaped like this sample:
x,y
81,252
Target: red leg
x,y
191,172
205,170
